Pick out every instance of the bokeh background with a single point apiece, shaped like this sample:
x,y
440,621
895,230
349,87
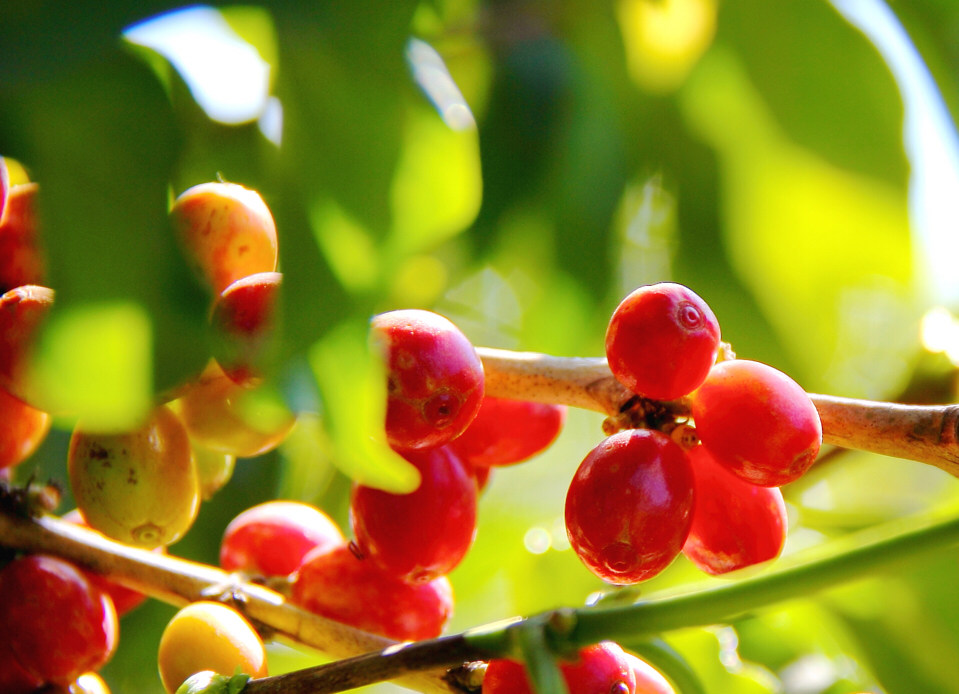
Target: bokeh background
x,y
519,166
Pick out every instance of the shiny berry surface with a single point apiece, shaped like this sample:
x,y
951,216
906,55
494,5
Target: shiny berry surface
x,y
139,487
602,668
434,378
505,432
426,533
648,679
22,429
661,341
64,625
629,506
757,421
271,539
335,583
209,636
735,524
22,313
243,317
22,260
227,232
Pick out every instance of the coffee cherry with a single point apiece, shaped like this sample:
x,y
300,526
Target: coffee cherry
x,y
63,625
629,506
138,487
272,538
505,432
757,422
21,258
124,599
648,678
243,318
335,583
209,636
603,668
434,378
227,232
661,341
225,417
426,533
22,429
22,313
213,468
735,524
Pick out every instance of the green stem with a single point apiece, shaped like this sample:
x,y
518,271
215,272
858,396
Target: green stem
x,y
855,556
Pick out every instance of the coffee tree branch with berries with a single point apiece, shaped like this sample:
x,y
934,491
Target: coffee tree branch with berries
x,y
281,401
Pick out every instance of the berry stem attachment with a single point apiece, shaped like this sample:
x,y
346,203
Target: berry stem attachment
x,y
923,433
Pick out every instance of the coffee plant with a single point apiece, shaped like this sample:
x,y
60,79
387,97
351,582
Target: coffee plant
x,y
464,346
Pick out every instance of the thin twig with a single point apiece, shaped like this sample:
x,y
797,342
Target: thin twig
x,y
178,582
923,433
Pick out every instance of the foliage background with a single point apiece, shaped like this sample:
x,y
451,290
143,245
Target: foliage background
x,y
752,150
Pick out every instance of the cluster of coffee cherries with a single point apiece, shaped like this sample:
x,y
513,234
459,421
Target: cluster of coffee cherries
x,y
702,474
143,486
439,419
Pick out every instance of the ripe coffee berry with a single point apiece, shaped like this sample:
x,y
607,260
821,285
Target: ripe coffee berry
x,y
22,429
757,422
426,533
599,669
648,679
21,258
64,626
505,432
335,583
272,538
735,524
22,313
243,317
629,506
434,378
661,341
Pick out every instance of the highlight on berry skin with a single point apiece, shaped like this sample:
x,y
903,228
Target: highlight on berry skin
x,y
662,340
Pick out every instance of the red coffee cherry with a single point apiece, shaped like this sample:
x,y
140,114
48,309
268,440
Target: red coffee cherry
x,y
648,678
434,378
661,341
335,583
505,432
629,506
22,429
243,317
22,313
603,668
426,533
735,524
272,538
22,260
64,626
757,422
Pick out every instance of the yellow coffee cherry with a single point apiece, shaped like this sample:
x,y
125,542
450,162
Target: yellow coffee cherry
x,y
209,636
138,487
